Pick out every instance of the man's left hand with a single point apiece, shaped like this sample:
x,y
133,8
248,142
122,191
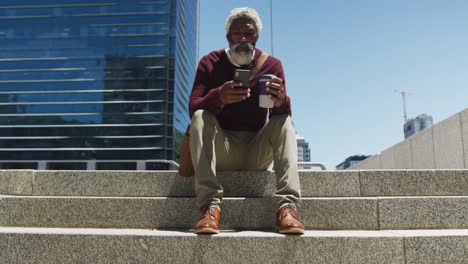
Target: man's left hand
x,y
276,90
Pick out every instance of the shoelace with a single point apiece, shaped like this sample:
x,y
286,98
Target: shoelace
x,y
210,212
289,209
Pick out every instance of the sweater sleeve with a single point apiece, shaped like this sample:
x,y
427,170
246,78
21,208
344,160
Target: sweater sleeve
x,y
284,108
203,96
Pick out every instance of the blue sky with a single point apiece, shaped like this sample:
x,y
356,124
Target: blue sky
x,y
344,60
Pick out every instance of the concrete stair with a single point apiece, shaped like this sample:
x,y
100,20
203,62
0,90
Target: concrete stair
x,y
411,216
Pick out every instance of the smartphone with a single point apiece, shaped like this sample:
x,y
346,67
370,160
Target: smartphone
x,y
243,76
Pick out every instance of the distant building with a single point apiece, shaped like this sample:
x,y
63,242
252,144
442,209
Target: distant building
x,y
350,161
303,150
415,125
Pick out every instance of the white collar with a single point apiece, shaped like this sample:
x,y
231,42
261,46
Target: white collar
x,y
233,63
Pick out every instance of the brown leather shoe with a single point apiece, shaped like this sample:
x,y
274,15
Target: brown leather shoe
x,y
288,220
209,221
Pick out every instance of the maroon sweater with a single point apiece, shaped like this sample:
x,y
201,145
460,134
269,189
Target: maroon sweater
x,y
213,71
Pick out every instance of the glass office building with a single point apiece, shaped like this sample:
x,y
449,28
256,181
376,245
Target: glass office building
x,y
95,84
416,125
303,151
351,161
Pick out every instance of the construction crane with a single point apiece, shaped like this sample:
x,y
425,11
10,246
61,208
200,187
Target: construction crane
x,y
403,94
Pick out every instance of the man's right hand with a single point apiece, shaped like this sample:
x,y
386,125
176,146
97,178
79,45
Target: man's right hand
x,y
232,92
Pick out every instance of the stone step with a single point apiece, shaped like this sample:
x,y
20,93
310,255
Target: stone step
x,y
242,184
55,245
325,213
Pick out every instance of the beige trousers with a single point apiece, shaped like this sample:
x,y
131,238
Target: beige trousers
x,y
214,149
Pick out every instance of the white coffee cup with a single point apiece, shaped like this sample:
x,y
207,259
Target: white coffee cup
x,y
264,99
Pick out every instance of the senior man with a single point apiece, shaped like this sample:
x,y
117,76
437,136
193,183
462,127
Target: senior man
x,y
229,131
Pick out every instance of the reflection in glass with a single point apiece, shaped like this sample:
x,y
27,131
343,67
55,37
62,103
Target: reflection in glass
x,y
81,80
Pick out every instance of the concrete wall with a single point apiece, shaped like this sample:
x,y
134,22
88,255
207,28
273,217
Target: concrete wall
x,y
423,153
442,146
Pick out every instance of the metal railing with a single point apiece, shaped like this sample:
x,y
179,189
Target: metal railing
x,y
140,164
91,164
303,164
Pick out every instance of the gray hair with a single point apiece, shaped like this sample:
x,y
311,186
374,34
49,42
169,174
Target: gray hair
x,y
244,12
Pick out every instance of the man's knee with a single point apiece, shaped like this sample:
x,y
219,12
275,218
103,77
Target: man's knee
x,y
202,119
282,121
198,115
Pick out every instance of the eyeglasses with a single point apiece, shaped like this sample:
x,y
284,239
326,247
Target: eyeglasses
x,y
241,34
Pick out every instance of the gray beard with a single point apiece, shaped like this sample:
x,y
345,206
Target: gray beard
x,y
241,57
